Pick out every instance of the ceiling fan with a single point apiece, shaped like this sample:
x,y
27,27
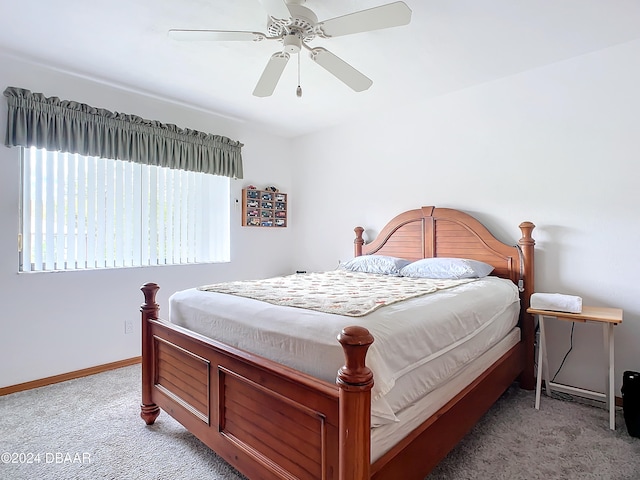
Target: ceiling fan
x,y
294,26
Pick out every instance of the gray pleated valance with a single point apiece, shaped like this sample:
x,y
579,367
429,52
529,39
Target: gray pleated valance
x,y
62,125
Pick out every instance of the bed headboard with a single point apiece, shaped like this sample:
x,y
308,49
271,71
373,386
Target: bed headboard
x,y
443,232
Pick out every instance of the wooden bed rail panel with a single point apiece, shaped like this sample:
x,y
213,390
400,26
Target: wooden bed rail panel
x,y
183,376
282,432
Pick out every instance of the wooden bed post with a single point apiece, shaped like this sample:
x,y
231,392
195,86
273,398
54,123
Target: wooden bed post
x,y
149,411
358,242
527,244
355,381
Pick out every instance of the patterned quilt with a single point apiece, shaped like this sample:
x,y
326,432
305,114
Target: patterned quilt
x,y
341,292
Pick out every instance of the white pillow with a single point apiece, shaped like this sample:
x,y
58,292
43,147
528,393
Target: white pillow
x,y
380,264
443,267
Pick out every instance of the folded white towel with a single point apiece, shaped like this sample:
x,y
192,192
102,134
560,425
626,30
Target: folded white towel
x,y
556,302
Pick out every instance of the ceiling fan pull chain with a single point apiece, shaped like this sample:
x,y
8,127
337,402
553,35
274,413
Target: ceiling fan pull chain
x,y
299,89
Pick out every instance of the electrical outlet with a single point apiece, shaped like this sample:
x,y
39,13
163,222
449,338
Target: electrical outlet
x,y
128,327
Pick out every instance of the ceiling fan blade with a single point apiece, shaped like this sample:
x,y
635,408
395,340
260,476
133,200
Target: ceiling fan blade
x,y
341,69
271,74
216,35
385,16
276,8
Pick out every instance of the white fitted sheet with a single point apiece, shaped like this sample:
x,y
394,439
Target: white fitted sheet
x,y
384,437
419,343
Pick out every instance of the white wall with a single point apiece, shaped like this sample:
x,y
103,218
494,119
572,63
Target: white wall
x,y
54,323
557,146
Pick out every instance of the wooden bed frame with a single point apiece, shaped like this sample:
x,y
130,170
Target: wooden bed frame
x,y
273,422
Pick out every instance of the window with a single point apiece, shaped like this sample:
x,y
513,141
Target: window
x,y
82,212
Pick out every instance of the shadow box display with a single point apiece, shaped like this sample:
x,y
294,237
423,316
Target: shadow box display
x,y
263,208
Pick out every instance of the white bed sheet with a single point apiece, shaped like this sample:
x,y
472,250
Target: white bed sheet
x,y
439,332
383,438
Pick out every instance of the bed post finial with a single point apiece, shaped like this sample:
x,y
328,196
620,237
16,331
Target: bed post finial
x,y
358,242
527,229
355,380
150,307
149,411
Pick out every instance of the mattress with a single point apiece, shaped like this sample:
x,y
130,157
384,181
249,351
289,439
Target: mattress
x,y
419,343
384,437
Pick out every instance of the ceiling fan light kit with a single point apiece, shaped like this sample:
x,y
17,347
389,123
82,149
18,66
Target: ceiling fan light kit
x,y
292,42
295,25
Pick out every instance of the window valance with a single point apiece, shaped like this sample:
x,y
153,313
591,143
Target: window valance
x,y
62,125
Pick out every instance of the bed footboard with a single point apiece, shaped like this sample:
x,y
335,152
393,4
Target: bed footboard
x,y
265,419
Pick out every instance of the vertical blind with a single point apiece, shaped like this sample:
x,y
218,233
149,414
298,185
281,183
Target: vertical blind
x,y
83,212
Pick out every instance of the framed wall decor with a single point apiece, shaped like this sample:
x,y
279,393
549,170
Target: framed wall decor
x,y
263,208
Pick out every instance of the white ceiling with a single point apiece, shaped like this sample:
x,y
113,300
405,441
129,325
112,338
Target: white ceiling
x,y
449,45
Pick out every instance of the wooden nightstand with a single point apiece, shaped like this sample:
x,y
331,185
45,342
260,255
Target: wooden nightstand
x,y
608,317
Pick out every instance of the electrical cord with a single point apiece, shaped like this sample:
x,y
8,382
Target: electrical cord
x,y
573,324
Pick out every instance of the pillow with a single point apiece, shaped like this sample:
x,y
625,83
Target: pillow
x,y
442,267
380,264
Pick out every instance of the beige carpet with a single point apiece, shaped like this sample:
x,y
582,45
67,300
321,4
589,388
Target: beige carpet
x,y
68,431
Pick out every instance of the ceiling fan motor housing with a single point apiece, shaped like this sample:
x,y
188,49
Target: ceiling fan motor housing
x,y
302,22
